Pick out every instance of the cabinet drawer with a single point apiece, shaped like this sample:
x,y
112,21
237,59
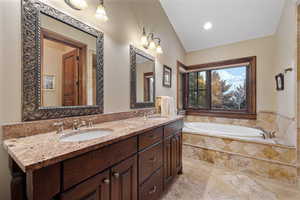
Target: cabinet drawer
x,y
149,161
80,168
172,128
152,188
96,187
150,137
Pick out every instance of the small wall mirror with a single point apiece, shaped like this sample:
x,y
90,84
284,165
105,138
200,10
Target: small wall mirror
x,y
68,65
62,64
142,79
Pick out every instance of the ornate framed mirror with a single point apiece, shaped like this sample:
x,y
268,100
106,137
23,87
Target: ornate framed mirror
x,y
142,79
62,64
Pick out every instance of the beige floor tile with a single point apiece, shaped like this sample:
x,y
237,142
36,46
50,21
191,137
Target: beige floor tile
x,y
203,181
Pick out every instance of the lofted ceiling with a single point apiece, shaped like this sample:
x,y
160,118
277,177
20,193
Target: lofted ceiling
x,y
233,20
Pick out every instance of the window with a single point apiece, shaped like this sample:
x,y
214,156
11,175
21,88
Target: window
x,y
224,89
198,90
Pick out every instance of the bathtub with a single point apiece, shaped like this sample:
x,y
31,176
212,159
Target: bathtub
x,y
227,131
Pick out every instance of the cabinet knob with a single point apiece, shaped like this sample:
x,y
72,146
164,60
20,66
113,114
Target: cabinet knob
x,y
153,159
106,181
116,174
153,190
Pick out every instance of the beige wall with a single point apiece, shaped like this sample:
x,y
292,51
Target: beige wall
x,y
122,29
286,54
4,178
10,78
286,57
263,48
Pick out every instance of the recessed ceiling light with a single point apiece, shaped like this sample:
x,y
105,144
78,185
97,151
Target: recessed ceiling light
x,y
207,25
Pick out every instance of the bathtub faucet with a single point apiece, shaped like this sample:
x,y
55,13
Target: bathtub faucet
x,y
266,134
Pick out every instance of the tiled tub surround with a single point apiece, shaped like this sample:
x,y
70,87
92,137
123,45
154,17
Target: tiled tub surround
x,y
279,172
271,161
268,152
285,127
276,161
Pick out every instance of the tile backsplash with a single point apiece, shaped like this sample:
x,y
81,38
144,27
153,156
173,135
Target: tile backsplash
x,y
23,129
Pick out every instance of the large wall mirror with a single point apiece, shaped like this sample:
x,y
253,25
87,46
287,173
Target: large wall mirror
x,y
62,64
142,68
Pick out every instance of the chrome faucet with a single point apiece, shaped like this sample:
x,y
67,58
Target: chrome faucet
x,y
77,124
266,134
59,126
90,123
145,115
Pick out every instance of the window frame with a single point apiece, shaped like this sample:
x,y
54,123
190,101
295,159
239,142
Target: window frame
x,y
249,113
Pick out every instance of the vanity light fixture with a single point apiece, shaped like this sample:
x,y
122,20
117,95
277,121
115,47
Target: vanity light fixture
x,y
100,12
149,42
144,39
77,4
158,48
82,4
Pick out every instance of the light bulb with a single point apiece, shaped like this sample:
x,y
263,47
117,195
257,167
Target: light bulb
x,y
77,4
152,45
208,26
144,40
159,49
101,13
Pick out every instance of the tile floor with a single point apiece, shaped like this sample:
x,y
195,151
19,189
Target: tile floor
x,y
203,181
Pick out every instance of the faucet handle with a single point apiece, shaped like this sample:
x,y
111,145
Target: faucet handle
x,y
273,134
75,124
57,124
90,123
60,126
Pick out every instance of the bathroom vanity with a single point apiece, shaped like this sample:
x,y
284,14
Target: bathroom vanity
x,y
138,160
134,158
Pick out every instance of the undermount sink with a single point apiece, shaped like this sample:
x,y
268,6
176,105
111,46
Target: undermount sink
x,y
85,135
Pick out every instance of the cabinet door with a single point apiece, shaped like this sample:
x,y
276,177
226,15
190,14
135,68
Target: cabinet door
x,y
95,188
168,160
172,157
124,180
177,153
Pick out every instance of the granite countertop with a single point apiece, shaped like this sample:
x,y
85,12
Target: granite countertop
x,y
37,151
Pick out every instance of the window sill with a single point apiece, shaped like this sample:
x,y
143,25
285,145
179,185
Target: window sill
x,y
227,114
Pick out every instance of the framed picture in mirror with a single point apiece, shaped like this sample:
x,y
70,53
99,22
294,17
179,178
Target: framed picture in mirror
x,y
49,82
167,76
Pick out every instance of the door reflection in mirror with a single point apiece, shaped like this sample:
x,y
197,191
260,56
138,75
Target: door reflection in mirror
x,y
69,55
144,79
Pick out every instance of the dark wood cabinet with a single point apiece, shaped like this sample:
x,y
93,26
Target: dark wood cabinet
x,y
153,187
149,161
172,157
168,160
140,167
124,180
151,137
177,152
95,188
75,172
